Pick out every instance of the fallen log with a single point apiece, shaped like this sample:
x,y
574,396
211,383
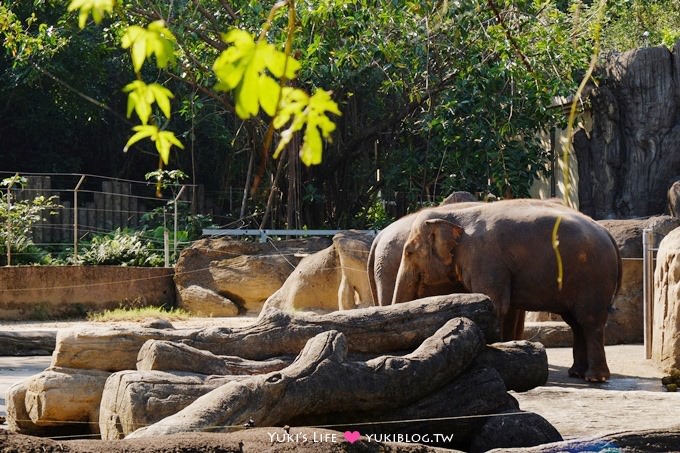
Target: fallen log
x,y
522,364
18,420
63,396
516,429
30,343
376,330
171,356
456,411
134,399
303,387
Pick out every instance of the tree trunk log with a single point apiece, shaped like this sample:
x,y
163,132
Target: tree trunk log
x,y
303,387
456,410
375,330
134,399
169,356
523,365
62,396
40,342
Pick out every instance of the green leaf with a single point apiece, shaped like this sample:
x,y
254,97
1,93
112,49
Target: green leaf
x,y
244,68
162,97
143,131
156,40
310,112
164,140
98,8
142,96
272,89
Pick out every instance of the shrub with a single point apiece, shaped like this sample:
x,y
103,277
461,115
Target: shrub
x,y
121,248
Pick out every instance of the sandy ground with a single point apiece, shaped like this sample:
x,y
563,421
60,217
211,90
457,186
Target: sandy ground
x,y
633,398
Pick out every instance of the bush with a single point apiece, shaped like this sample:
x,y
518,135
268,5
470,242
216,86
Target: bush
x,y
122,248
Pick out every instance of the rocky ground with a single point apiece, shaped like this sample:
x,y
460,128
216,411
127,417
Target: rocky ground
x,y
633,399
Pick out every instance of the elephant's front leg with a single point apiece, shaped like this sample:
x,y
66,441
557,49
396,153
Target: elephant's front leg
x,y
513,324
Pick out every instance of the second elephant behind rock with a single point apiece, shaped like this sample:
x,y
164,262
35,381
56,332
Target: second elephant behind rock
x,y
331,279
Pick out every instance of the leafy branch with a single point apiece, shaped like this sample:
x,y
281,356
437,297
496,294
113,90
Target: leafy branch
x,y
254,71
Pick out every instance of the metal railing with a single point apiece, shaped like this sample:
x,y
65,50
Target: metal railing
x,y
264,235
648,249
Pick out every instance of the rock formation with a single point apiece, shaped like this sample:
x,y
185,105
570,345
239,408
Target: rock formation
x,y
666,310
629,159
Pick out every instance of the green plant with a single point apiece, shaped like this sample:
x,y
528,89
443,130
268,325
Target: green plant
x,y
17,217
121,248
374,216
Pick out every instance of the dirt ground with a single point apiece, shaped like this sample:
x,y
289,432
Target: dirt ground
x,y
633,399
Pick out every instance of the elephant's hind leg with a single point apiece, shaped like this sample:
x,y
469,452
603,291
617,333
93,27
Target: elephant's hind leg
x,y
579,350
598,371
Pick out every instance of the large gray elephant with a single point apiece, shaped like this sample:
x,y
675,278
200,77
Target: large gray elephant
x,y
505,250
385,255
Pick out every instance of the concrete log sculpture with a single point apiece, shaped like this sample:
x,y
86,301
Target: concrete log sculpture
x,y
302,388
388,365
372,330
169,356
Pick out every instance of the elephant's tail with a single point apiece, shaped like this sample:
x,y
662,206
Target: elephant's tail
x,y
619,270
370,267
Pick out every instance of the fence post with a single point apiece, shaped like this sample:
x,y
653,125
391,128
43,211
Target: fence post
x,y
174,237
648,288
75,219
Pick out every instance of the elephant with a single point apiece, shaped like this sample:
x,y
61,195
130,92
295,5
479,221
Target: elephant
x,y
673,198
385,255
331,279
506,251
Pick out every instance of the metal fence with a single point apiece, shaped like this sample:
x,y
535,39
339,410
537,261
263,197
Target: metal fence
x,y
90,204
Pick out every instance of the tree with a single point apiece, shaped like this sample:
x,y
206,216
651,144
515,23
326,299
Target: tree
x,y
435,97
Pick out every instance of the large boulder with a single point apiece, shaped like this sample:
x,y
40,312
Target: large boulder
x,y
224,277
666,331
625,320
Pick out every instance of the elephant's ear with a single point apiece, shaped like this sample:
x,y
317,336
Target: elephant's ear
x,y
444,236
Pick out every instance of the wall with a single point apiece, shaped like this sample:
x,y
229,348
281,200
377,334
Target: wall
x,y
38,292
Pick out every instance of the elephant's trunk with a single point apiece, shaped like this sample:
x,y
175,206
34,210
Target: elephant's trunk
x,y
406,286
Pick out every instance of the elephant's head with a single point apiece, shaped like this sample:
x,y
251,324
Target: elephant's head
x,y
427,257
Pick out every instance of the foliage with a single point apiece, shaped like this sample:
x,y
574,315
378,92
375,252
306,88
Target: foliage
x,y
435,96
374,216
245,68
190,226
641,23
121,248
17,217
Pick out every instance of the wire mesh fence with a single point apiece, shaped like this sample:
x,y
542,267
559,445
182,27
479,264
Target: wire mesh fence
x,y
91,205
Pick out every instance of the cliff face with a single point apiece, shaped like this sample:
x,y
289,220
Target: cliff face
x,y
632,155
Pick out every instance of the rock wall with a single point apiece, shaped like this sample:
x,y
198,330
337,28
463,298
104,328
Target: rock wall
x,y
628,160
36,292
